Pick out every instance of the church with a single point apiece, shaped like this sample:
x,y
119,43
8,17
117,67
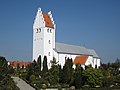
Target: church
x,y
44,44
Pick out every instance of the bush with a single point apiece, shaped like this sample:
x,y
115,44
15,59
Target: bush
x,y
8,84
59,87
44,86
107,81
32,78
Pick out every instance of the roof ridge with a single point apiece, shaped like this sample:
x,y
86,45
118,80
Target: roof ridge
x,y
70,44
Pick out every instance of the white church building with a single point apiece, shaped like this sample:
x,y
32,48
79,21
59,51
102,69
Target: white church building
x,y
44,44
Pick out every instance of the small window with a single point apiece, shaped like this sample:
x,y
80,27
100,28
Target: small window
x,y
48,30
37,31
49,53
49,42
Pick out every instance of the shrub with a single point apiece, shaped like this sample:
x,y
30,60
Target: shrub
x,y
44,86
32,78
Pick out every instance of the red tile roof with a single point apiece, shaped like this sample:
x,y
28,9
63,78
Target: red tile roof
x,y
14,64
80,60
48,22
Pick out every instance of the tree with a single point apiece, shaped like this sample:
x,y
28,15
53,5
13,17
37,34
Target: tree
x,y
45,67
33,70
30,71
60,74
111,74
6,82
10,69
39,62
115,67
67,72
32,78
92,76
23,66
53,77
18,68
106,79
117,62
3,67
53,62
78,76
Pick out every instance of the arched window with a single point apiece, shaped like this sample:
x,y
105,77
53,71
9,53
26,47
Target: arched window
x,y
49,42
48,30
39,29
48,53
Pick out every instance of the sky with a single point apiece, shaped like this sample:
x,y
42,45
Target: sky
x,y
94,24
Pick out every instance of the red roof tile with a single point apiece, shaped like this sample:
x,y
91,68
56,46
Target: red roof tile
x,y
14,64
80,59
48,22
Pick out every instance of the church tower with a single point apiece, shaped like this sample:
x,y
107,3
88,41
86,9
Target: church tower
x,y
43,36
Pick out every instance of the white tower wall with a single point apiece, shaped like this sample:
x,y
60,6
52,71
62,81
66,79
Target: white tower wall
x,y
43,37
48,44
37,46
38,33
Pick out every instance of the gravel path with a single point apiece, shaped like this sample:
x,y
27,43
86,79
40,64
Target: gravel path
x,y
22,84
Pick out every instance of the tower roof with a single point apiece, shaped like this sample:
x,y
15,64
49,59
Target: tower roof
x,y
48,22
43,20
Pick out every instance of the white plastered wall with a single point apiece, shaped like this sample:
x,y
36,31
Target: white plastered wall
x,y
43,38
37,46
89,61
61,58
38,32
48,44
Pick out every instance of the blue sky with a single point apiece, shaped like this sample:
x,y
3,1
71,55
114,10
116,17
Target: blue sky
x,y
91,23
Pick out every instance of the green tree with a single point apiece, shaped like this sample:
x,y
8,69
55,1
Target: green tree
x,y
36,68
6,82
10,69
107,78
60,74
54,73
45,67
18,68
67,72
118,79
33,70
117,63
30,71
92,76
115,67
78,76
3,67
22,66
39,62
32,78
